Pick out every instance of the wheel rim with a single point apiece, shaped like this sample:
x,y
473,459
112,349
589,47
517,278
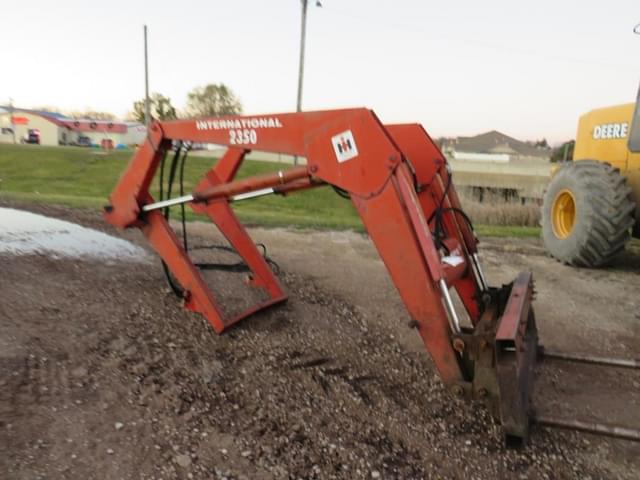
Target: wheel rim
x,y
563,214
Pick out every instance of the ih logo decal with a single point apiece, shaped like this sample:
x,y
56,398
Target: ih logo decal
x,y
345,146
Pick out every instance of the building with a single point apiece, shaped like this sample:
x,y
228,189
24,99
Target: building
x,y
494,146
495,162
25,126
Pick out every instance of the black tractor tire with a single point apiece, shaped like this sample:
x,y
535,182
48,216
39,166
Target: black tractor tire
x,y
603,214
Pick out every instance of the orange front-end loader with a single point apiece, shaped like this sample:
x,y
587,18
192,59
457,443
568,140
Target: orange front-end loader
x,y
401,186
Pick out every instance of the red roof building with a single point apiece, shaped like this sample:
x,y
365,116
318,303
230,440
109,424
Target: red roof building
x,y
57,129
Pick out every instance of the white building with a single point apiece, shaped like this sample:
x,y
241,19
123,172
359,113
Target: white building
x,y
56,129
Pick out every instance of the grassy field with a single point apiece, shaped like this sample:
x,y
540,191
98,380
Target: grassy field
x,y
80,177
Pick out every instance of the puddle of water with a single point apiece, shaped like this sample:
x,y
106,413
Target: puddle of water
x,y
25,232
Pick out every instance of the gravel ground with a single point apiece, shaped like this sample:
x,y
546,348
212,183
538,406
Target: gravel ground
x,y
104,375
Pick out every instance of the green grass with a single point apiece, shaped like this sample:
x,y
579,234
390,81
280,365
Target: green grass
x,y
80,177
507,231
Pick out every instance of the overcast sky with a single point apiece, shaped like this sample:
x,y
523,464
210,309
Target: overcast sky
x,y
526,68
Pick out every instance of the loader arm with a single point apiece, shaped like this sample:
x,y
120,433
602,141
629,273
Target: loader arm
x,y
400,184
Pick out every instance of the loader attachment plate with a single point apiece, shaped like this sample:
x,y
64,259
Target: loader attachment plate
x,y
502,349
516,345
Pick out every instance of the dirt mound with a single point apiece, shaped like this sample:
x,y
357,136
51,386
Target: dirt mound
x,y
104,375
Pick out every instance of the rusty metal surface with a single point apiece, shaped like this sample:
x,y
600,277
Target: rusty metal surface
x,y
515,314
515,355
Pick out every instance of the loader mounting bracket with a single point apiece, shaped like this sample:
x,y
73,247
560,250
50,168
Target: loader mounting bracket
x,y
502,349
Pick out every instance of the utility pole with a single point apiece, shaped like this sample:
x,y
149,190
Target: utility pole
x,y
303,37
146,83
13,127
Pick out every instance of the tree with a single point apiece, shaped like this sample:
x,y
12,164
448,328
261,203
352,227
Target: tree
x,y
47,108
542,143
160,108
92,115
563,152
212,100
